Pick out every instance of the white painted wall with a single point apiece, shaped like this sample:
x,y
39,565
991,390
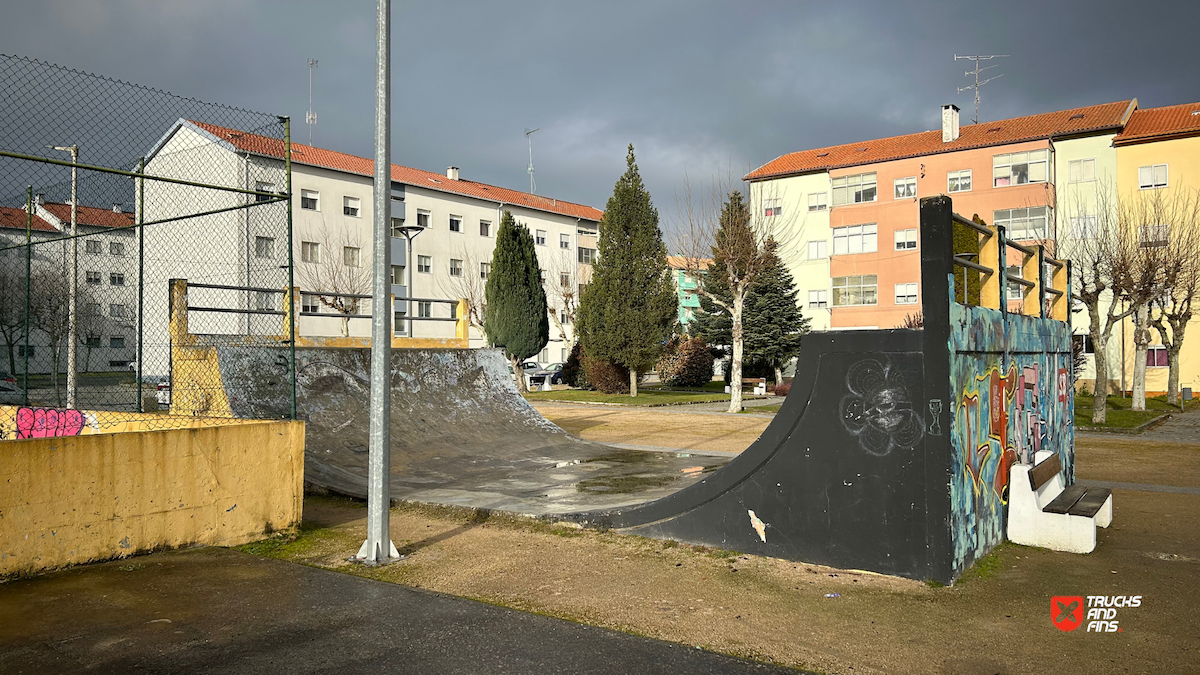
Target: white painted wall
x,y
796,227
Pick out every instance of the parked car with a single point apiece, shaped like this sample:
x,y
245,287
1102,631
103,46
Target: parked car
x,y
10,391
552,371
527,369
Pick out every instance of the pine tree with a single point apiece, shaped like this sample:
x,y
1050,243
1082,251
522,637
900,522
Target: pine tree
x,y
773,321
629,310
516,316
712,322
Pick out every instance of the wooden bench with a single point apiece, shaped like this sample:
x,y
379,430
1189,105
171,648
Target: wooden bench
x,y
1044,511
758,384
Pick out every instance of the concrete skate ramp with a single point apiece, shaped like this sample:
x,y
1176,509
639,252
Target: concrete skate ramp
x,y
461,434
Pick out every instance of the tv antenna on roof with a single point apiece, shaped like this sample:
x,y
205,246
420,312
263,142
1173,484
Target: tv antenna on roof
x,y
976,72
528,137
310,117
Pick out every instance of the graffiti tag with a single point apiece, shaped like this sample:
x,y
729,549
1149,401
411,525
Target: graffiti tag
x,y
48,422
878,410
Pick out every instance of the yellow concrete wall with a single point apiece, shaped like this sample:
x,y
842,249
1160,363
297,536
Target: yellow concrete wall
x,y
76,499
111,421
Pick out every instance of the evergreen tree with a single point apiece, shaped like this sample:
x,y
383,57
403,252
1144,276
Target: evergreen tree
x,y
712,322
773,321
516,316
629,310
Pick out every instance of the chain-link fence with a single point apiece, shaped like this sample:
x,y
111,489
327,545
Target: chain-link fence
x,y
108,192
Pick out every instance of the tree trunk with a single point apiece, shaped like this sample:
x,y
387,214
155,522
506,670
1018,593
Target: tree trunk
x,y
778,376
1100,358
739,348
1177,330
12,358
1141,341
633,378
57,392
522,386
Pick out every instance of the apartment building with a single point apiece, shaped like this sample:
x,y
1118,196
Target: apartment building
x,y
106,293
455,221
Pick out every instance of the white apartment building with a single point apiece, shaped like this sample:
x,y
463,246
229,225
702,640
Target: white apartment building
x,y
333,215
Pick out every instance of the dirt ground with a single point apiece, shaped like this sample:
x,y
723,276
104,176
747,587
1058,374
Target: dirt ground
x,y
994,620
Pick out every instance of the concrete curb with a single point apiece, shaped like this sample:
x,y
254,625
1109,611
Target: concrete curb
x,y
537,401
1144,426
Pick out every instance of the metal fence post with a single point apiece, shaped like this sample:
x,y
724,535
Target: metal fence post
x,y
141,213
28,284
378,548
287,170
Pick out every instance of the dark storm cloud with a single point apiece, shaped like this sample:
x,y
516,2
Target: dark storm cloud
x,y
697,87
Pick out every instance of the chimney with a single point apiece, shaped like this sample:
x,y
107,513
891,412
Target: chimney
x,y
40,199
116,207
452,172
949,123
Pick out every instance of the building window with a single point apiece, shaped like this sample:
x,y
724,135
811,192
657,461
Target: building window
x,y
454,310
93,309
564,354
1089,347
310,252
906,240
485,228
310,200
818,249
93,278
564,280
116,342
425,264
1019,168
116,311
94,247
541,276
855,239
398,321
540,237
856,290
1083,227
455,267
352,256
906,294
260,186
308,303
350,206
959,181
772,207
1023,224
264,247
92,341
484,270
906,187
1153,236
30,351
1015,291
1154,176
116,279
263,301
587,255
818,298
116,248
456,223
424,309
1081,171
817,201
397,275
1157,357
564,241
854,189
422,219
563,317
397,228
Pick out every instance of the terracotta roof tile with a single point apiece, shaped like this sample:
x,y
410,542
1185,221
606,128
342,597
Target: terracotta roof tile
x,y
1158,123
678,262
90,215
340,161
1016,130
15,219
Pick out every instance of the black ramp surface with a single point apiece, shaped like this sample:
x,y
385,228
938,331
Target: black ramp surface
x,y
218,611
461,434
838,478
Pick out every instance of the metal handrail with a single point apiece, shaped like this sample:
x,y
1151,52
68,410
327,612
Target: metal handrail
x,y
1056,263
1055,291
1024,282
1020,247
237,288
228,310
972,224
973,265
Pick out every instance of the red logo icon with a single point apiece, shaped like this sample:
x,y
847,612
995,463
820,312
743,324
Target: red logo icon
x,y
1066,611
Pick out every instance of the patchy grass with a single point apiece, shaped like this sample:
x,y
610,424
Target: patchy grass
x,y
764,409
290,546
717,386
645,397
1119,415
987,566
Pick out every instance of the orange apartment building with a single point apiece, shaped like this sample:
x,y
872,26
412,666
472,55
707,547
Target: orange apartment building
x,y
855,257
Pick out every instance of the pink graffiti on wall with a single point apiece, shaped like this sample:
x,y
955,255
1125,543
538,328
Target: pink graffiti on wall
x,y
48,422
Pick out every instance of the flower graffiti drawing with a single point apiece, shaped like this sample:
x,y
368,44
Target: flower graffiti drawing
x,y
878,410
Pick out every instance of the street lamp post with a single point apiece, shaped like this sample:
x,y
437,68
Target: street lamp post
x,y
73,277
409,232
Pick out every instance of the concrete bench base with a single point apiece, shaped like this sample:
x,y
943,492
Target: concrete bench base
x,y
1029,525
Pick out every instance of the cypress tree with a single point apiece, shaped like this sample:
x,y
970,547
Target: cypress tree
x,y
516,316
629,310
773,322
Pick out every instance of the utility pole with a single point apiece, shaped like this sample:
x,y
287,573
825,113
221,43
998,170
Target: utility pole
x,y
378,548
976,72
529,137
310,117
72,277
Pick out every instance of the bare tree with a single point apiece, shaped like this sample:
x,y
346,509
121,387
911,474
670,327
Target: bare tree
x,y
49,297
562,293
340,269
12,311
470,285
735,233
1171,310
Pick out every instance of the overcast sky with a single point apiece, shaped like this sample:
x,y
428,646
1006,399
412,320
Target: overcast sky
x,y
697,87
